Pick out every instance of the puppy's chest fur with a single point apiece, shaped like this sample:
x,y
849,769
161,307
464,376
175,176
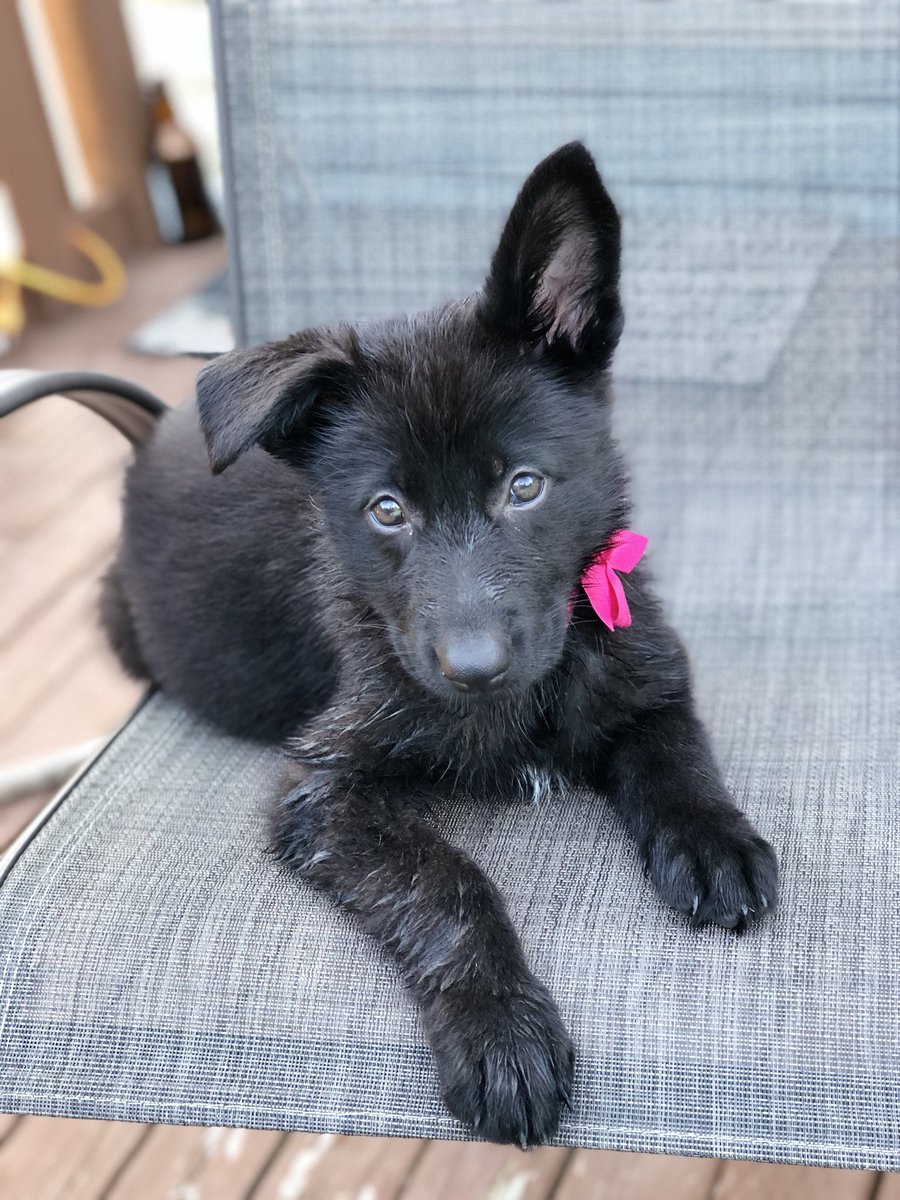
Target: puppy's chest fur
x,y
410,749
382,728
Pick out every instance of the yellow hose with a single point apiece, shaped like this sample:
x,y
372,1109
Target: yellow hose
x,y
12,310
18,274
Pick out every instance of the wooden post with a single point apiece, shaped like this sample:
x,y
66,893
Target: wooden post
x,y
97,70
28,165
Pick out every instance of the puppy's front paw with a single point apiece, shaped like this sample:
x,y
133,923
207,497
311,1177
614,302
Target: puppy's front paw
x,y
718,871
505,1063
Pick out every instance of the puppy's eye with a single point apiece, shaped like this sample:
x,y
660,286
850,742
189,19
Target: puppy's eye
x,y
526,488
387,513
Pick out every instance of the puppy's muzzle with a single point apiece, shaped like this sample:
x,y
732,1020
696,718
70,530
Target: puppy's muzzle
x,y
473,662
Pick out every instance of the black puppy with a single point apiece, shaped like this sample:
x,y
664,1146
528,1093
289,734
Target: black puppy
x,y
383,581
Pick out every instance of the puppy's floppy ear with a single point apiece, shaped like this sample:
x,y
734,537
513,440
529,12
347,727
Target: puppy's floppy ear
x,y
266,394
555,274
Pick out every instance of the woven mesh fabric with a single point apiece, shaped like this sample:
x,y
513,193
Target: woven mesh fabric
x,y
156,965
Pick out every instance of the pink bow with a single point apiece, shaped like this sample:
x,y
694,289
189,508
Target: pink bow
x,y
602,584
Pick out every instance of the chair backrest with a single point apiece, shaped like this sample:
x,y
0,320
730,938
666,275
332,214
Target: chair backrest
x,y
372,149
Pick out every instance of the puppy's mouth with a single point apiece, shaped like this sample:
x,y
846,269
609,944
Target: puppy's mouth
x,y
489,685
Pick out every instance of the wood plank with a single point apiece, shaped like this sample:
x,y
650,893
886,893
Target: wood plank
x,y
60,1159
13,819
613,1175
483,1171
50,453
91,702
313,1165
200,1163
168,1155
45,653
888,1187
240,1159
299,1155
39,569
772,1181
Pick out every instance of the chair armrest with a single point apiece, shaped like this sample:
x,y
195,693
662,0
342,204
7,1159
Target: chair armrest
x,y
131,409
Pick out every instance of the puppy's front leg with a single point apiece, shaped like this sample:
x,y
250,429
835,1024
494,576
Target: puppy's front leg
x,y
702,854
503,1056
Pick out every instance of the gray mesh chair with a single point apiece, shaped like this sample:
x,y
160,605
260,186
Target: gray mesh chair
x,y
156,965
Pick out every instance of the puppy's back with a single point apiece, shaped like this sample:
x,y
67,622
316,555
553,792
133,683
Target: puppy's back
x,y
214,590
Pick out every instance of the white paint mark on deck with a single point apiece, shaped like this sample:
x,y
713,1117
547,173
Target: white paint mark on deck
x,y
220,1140
234,1144
302,1166
212,1140
511,1188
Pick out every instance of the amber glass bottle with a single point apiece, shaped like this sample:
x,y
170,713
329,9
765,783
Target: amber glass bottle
x,y
173,150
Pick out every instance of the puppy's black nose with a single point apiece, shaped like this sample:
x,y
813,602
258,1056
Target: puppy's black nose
x,y
473,662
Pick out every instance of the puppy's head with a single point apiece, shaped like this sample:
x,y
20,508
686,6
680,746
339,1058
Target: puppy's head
x,y
462,459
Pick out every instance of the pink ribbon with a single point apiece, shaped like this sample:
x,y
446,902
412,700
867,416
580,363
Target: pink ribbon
x,y
601,583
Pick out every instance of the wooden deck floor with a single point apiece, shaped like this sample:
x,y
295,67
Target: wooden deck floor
x,y
60,473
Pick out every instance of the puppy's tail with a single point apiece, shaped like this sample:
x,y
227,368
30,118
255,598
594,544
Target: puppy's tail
x,y
131,409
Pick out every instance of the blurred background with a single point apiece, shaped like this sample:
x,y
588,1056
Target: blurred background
x,y
374,147
113,148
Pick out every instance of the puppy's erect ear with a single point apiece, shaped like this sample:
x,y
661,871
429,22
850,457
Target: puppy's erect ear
x,y
554,277
266,394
